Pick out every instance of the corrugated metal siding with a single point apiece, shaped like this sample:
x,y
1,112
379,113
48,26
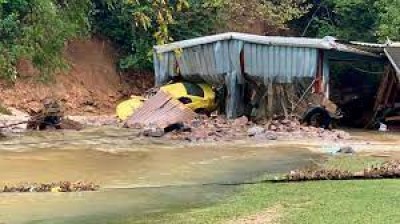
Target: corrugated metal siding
x,y
209,62
160,110
216,59
280,64
164,67
215,63
219,63
205,61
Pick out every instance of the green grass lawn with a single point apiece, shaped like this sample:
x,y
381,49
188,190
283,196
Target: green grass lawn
x,y
359,201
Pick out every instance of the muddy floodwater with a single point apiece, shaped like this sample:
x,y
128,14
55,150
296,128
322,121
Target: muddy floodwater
x,y
137,176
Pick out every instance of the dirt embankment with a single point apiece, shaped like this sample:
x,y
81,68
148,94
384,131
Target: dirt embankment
x,y
91,85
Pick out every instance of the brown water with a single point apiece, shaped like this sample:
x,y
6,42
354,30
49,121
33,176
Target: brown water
x,y
137,176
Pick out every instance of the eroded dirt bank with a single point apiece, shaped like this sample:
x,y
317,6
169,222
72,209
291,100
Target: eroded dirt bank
x,y
91,85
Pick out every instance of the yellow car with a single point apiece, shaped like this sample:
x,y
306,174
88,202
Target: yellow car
x,y
199,97
126,108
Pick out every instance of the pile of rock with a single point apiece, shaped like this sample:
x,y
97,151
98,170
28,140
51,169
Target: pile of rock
x,y
284,125
205,129
293,129
65,186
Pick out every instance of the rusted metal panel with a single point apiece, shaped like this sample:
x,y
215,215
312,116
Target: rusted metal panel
x,y
160,110
319,78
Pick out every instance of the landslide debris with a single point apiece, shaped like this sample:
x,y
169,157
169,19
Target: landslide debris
x,y
219,128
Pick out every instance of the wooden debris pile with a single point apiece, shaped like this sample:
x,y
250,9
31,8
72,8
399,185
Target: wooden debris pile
x,y
389,169
65,186
386,170
51,116
323,174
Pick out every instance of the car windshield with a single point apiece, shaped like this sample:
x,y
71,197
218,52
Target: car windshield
x,y
193,89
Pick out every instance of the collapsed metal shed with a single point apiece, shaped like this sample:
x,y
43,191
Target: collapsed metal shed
x,y
387,95
232,59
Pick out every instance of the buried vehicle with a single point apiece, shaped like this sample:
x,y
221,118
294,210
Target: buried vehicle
x,y
199,97
126,108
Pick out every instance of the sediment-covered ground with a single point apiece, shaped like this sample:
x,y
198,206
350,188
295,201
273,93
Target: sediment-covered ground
x,y
206,129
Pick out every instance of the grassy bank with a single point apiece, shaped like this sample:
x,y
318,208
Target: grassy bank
x,y
357,201
361,201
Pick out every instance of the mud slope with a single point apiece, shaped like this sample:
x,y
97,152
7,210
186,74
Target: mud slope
x,y
92,84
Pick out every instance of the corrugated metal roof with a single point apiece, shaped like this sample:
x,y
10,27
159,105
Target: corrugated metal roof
x,y
327,43
394,44
161,111
393,53
371,47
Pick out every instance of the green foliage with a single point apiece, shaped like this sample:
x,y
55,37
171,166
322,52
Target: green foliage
x,y
37,30
389,19
345,19
202,18
238,14
365,20
136,26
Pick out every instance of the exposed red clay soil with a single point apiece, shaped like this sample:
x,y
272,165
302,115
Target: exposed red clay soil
x,y
91,86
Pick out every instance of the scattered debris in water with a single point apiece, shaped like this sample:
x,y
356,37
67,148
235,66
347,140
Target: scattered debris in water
x,y
346,150
50,117
385,170
65,186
